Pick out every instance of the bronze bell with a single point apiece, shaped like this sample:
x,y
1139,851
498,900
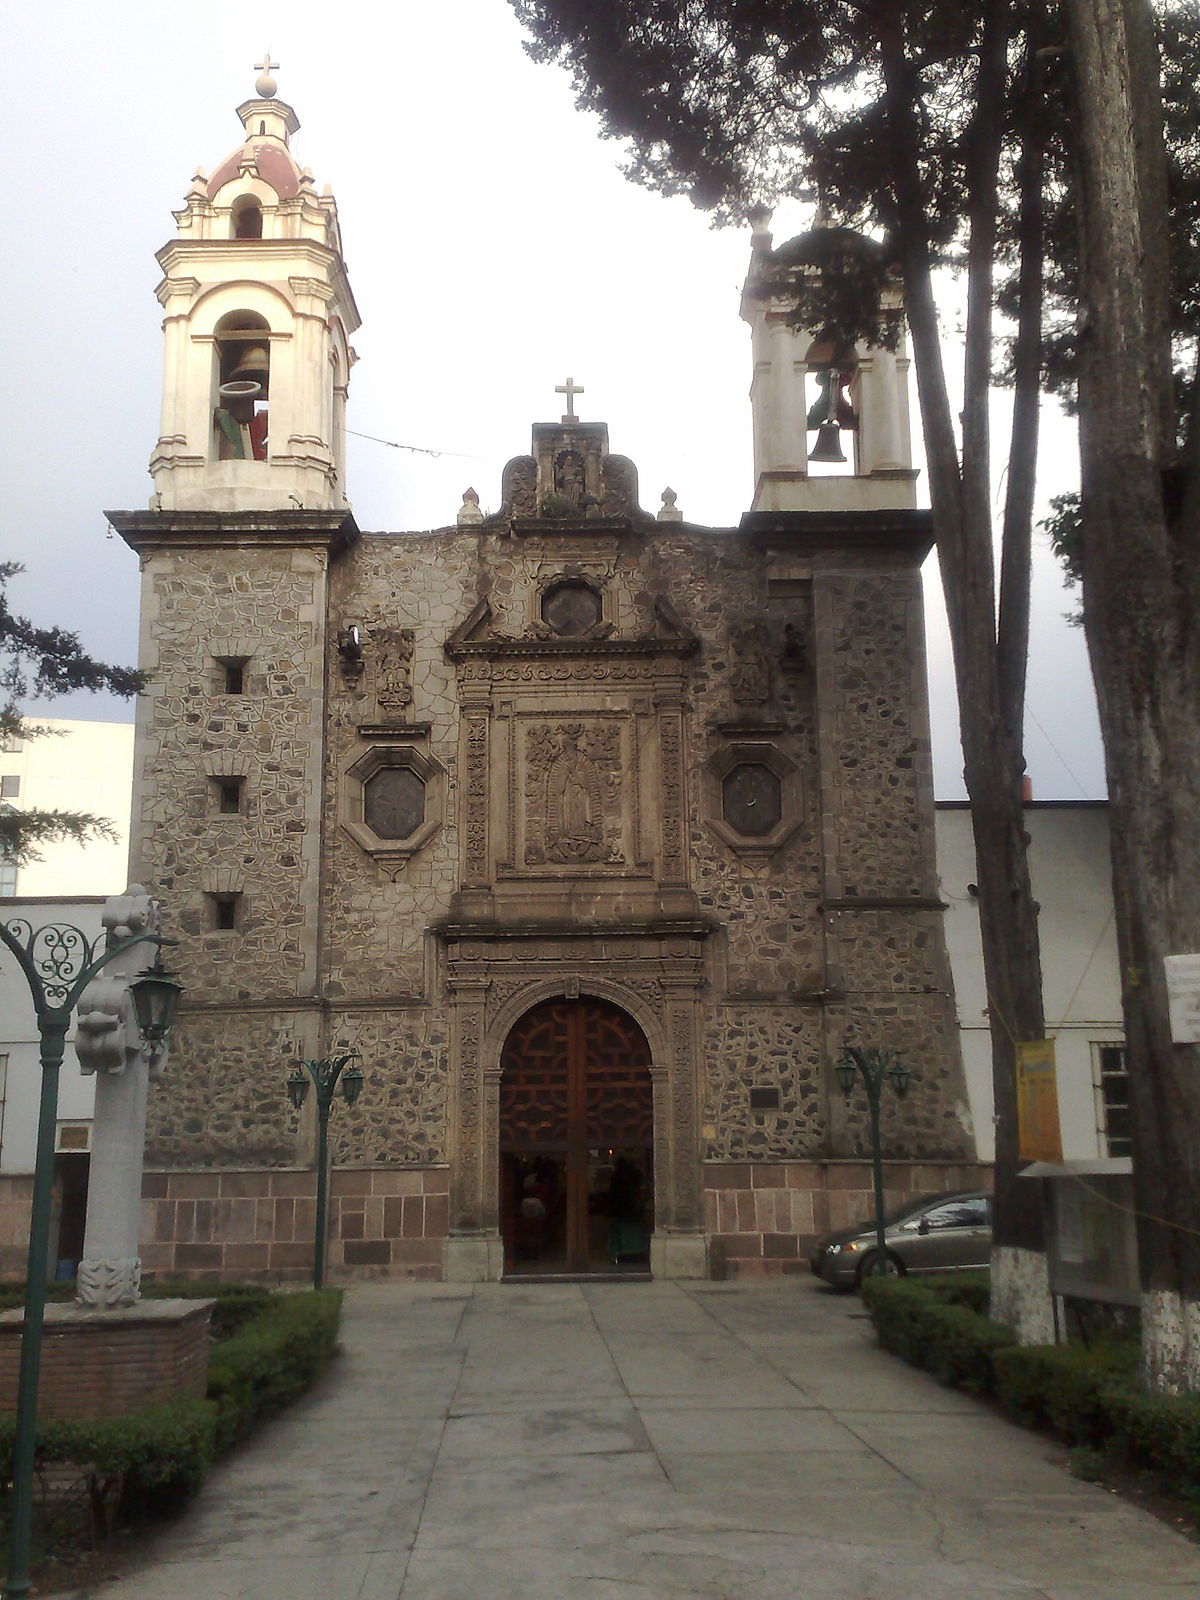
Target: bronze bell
x,y
829,445
253,365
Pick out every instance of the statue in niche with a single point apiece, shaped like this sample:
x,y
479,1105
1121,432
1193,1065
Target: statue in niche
x,y
569,476
750,675
573,778
393,668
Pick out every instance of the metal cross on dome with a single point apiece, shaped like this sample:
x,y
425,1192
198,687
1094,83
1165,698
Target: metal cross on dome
x,y
570,389
267,65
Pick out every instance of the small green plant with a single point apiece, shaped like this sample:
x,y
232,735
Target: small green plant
x,y
557,505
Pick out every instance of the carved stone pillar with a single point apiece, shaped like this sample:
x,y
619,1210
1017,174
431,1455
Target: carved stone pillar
x,y
678,1249
474,1252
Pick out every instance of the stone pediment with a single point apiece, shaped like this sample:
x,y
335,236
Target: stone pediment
x,y
569,479
477,636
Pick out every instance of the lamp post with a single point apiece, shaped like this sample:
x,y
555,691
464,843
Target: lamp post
x,y
873,1066
59,961
324,1074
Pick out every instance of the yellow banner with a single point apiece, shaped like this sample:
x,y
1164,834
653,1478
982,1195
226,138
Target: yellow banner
x,y
1037,1102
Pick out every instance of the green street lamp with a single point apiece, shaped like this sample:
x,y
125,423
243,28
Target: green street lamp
x,y
873,1067
324,1075
59,961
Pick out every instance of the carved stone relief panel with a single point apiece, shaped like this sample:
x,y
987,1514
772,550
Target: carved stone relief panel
x,y
466,1196
672,824
750,673
475,819
572,793
390,664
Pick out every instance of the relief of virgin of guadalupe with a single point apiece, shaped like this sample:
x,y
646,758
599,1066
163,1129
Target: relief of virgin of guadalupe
x,y
573,782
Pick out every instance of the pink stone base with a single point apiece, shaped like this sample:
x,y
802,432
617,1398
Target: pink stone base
x,y
763,1217
259,1223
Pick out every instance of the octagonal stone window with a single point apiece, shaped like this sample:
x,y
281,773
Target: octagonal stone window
x,y
571,608
394,802
752,799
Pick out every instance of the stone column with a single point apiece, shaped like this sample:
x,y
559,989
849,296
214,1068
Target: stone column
x,y
109,1044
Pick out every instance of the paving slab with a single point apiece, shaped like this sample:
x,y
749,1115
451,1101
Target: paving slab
x,y
643,1441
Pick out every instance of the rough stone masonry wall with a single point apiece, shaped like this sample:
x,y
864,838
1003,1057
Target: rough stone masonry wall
x,y
221,1099
844,716
891,961
268,602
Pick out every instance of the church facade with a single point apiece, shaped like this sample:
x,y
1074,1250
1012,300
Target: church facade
x,y
597,834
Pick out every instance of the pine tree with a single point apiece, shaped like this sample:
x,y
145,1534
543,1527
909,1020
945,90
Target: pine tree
x,y
40,663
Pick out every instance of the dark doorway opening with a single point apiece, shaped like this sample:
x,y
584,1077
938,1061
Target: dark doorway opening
x,y
576,1142
70,1196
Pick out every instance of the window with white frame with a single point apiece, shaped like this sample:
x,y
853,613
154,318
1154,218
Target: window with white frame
x,y
1111,1079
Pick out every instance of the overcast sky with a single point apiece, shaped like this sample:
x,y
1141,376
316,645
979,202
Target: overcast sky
x,y
493,247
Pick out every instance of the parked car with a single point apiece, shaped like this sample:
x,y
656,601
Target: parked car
x,y
942,1233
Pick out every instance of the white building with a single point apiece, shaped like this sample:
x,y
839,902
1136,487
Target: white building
x,y
74,766
20,1092
77,766
1069,864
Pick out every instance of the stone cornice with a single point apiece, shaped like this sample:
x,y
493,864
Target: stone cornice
x,y
903,533
150,531
495,932
573,649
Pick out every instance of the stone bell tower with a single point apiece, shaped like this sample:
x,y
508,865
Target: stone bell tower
x,y
248,517
257,317
810,402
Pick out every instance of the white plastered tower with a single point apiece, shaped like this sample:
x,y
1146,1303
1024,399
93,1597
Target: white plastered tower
x,y
875,432
258,318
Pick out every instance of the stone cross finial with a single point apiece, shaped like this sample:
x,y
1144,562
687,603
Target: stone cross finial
x,y
265,84
570,389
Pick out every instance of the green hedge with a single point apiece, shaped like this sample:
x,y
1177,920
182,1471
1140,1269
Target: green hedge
x,y
148,1458
272,1360
1089,1398
157,1456
1063,1387
953,1342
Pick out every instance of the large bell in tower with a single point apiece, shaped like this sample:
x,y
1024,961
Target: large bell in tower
x,y
251,364
829,444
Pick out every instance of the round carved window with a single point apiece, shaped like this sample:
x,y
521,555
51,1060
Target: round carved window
x,y
571,609
394,802
752,799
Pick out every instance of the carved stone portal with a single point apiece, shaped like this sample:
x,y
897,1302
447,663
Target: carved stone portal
x,y
668,1023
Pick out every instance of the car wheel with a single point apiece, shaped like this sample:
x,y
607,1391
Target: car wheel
x,y
893,1267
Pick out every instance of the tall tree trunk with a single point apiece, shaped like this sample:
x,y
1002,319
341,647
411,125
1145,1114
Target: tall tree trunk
x,y
1142,615
960,496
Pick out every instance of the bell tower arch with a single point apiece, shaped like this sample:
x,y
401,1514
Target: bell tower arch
x,y
817,403
258,315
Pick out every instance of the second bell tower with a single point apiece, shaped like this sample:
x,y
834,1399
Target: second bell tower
x,y
258,318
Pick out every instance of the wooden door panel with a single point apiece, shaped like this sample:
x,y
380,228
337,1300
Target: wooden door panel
x,y
575,1078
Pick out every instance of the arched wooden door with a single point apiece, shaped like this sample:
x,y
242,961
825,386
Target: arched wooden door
x,y
576,1140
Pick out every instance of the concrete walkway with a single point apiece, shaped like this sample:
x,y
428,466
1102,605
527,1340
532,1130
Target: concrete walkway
x,y
645,1442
